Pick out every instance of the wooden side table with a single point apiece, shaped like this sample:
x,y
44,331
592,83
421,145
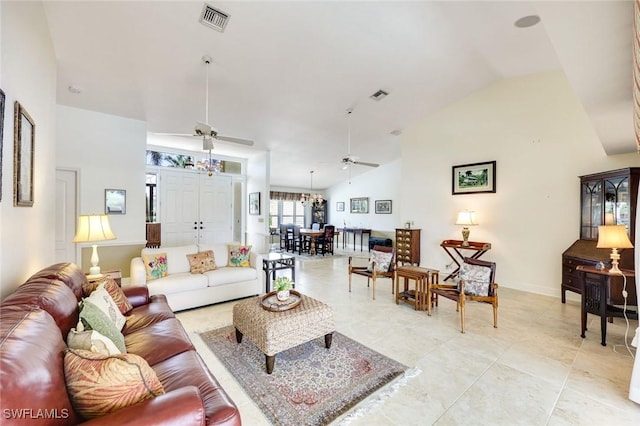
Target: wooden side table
x,y
115,274
453,247
423,277
596,294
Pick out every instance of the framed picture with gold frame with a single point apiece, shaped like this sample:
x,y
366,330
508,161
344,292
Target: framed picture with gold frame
x,y
24,136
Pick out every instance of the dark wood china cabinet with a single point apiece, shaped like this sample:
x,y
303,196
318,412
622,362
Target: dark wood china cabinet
x,y
608,198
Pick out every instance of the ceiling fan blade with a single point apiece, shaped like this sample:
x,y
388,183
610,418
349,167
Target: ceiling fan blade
x,y
246,142
189,135
362,163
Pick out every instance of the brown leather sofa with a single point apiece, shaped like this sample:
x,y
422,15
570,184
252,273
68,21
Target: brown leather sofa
x,y
34,323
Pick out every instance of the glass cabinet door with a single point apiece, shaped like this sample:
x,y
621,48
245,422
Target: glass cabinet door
x,y
591,210
616,202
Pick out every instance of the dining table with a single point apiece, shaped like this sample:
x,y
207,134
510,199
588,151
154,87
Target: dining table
x,y
313,235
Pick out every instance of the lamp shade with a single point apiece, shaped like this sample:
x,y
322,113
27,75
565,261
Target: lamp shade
x,y
466,218
613,236
93,228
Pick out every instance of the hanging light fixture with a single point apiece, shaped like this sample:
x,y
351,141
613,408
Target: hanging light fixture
x,y
316,200
209,166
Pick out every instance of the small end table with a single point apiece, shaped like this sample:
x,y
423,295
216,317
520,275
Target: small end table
x,y
273,262
596,296
423,277
115,274
453,247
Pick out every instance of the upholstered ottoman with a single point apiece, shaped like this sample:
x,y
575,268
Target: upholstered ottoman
x,y
274,332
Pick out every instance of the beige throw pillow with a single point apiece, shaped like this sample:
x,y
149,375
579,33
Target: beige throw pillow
x,y
202,262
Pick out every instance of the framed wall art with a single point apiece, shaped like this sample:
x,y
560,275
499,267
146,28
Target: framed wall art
x,y
115,201
383,206
340,206
360,205
254,203
1,136
473,178
24,137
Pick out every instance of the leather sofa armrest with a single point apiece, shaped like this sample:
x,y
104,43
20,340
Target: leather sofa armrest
x,y
137,296
138,272
179,407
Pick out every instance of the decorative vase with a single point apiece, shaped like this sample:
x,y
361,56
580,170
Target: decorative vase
x,y
282,295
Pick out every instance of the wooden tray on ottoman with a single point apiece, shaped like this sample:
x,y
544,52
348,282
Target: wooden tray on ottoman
x,y
271,303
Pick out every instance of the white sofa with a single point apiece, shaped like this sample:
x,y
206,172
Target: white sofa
x,y
185,290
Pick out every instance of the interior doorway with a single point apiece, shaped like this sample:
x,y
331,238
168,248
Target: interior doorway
x,y
66,212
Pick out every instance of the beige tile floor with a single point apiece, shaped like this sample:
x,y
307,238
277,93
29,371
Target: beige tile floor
x,y
534,369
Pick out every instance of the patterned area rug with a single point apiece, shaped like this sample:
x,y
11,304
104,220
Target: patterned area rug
x,y
310,385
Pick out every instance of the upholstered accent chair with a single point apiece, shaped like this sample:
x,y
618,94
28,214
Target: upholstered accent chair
x,y
476,281
382,264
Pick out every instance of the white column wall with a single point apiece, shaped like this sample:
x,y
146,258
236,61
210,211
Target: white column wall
x,y
28,75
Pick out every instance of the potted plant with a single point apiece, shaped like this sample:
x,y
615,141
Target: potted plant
x,y
281,286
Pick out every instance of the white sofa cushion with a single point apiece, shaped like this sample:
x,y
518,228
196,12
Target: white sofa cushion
x,y
230,275
177,283
177,261
220,252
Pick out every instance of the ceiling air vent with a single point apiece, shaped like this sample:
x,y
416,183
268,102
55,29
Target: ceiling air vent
x,y
379,95
214,18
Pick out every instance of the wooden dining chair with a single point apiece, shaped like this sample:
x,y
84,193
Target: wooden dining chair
x,y
476,282
324,244
382,264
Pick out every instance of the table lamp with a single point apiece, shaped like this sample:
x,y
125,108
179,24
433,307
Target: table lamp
x,y
93,228
613,237
466,218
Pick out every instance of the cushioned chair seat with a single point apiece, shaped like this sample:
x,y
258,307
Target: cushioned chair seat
x,y
230,275
159,341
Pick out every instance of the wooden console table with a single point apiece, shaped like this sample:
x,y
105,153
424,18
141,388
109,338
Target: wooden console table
x,y
596,297
354,231
453,247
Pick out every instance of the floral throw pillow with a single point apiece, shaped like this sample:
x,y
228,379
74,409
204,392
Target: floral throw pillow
x,y
476,279
156,265
239,256
381,259
202,262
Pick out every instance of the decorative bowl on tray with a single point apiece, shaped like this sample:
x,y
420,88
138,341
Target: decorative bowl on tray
x,y
270,301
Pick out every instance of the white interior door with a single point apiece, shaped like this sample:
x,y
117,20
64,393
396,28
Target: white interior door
x,y
194,208
215,209
66,212
178,200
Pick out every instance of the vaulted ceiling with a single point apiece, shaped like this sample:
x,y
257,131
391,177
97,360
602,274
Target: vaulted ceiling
x,y
284,73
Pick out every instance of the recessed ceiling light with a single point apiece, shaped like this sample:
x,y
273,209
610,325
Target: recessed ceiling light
x,y
74,89
527,21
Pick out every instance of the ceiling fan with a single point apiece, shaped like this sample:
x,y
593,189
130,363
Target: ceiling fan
x,y
351,160
204,130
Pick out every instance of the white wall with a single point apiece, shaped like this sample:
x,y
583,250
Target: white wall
x,y
542,141
110,152
381,183
28,75
257,228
